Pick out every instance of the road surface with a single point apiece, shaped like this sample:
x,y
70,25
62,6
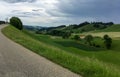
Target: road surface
x,y
17,61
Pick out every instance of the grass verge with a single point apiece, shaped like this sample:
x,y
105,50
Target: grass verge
x,y
87,67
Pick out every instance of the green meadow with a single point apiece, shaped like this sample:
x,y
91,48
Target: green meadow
x,y
74,55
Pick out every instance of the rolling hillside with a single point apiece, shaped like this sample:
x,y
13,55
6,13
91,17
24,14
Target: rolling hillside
x,y
85,27
113,28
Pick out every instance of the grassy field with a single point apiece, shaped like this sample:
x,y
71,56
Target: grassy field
x,y
113,31
84,60
101,34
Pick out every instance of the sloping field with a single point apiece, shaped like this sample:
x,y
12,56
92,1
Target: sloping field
x,y
101,34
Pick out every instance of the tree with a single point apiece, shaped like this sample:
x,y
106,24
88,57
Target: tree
x,y
107,41
96,25
16,22
105,37
76,37
88,39
66,35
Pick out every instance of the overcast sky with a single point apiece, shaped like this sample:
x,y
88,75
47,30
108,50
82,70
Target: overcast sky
x,y
58,12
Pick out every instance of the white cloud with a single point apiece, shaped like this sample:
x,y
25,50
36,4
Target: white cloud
x,y
16,1
57,12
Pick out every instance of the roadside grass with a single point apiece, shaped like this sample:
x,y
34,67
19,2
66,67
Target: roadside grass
x,y
85,66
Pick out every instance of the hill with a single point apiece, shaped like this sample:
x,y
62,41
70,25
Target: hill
x,y
83,27
32,28
113,28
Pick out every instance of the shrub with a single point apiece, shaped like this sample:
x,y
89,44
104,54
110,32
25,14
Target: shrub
x,y
16,22
76,37
98,46
66,35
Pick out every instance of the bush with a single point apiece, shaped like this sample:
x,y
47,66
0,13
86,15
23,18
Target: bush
x,y
98,46
66,35
16,22
76,37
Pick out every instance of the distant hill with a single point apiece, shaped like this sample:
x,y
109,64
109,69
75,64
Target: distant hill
x,y
113,28
32,28
78,28
83,27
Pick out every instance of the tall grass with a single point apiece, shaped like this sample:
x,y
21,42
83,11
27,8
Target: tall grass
x,y
87,67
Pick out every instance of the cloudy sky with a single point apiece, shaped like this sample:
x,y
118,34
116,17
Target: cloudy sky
x,y
58,12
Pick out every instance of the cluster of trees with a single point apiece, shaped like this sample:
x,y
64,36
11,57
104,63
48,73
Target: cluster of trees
x,y
101,25
95,24
107,41
81,25
64,34
75,26
2,22
16,22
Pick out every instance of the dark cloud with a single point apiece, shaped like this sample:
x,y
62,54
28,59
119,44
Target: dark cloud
x,y
17,1
56,13
91,8
14,11
63,11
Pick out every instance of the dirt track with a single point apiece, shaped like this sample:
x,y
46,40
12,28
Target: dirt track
x,y
17,61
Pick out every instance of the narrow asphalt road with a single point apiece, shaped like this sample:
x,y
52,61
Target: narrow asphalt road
x,y
17,61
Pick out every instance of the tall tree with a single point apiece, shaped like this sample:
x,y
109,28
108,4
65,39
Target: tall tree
x,y
88,39
107,41
16,22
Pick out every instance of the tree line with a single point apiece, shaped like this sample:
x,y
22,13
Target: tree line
x,y
2,22
89,38
95,24
63,34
